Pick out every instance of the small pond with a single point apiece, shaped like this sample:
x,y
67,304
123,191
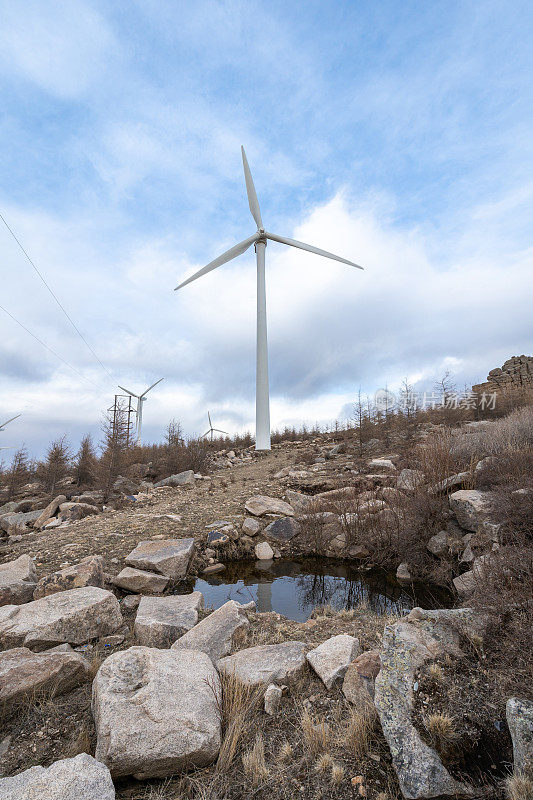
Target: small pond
x,y
295,588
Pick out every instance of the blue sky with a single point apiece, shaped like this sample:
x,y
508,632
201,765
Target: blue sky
x,y
397,134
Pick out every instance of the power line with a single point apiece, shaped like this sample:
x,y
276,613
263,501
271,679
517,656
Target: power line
x,y
56,298
88,380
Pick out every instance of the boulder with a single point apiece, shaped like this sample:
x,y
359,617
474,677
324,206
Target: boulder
x,y
156,712
451,482
216,634
140,581
283,529
74,616
519,714
382,463
18,523
25,674
331,659
89,572
213,569
359,680
180,479
268,663
162,620
406,645
272,699
251,526
79,511
409,479
261,505
124,485
299,502
79,778
17,581
263,551
465,583
470,507
50,511
170,557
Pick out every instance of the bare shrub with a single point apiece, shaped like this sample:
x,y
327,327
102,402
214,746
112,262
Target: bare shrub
x,y
85,463
56,464
18,473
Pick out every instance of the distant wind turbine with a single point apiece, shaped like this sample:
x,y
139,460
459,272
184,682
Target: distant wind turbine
x,y
259,240
140,400
3,425
212,430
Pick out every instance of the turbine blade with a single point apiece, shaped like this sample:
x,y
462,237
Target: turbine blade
x,y
302,246
217,430
206,433
10,420
152,386
209,418
128,391
250,188
233,252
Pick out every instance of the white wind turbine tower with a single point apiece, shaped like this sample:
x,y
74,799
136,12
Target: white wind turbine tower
x,y
259,240
212,430
140,400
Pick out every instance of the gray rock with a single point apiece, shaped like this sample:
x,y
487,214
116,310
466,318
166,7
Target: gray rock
x,y
141,581
300,502
180,479
130,602
269,663
20,522
25,674
272,699
263,551
442,544
79,778
451,482
89,572
50,511
78,511
216,634
470,507
156,712
162,620
262,504
18,580
74,616
519,714
382,463
212,569
403,573
251,526
406,646
465,583
170,557
409,479
331,659
283,529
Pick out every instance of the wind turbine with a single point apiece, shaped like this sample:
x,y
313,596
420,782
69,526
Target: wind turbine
x,y
212,430
140,400
259,240
3,425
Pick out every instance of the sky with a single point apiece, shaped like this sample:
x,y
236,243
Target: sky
x,y
397,135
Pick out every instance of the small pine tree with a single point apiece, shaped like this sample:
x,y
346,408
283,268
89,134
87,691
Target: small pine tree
x,y
56,465
18,473
85,463
115,447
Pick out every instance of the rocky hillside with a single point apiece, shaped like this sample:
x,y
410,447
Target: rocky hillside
x,y
116,680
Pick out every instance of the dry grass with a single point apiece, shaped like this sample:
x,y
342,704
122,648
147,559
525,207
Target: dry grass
x,y
358,731
254,763
316,734
519,787
237,703
442,731
286,752
337,774
324,762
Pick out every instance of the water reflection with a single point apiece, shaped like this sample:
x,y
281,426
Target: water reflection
x,y
294,588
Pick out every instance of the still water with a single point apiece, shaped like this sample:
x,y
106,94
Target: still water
x,y
295,588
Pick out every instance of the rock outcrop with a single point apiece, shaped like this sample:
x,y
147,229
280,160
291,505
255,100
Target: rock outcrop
x,y
79,778
169,557
162,620
515,375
